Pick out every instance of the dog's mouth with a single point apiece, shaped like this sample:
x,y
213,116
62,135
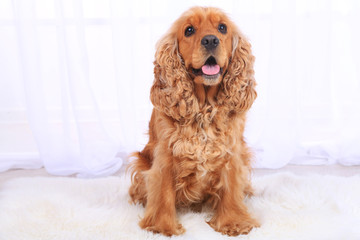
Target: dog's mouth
x,y
210,69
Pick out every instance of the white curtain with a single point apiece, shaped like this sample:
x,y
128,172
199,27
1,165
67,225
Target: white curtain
x,y
309,82
75,78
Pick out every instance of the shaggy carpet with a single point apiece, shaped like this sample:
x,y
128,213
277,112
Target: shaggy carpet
x,y
288,207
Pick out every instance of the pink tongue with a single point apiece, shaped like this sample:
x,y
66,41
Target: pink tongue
x,y
210,69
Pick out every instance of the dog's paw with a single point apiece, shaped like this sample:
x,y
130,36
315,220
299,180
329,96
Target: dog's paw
x,y
163,227
234,227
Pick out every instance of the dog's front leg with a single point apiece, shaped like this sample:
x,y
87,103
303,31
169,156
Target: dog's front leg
x,y
160,213
231,216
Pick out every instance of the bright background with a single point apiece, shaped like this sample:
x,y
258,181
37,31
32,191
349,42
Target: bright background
x,y
75,77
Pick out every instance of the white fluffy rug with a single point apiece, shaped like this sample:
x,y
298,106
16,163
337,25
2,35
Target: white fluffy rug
x,y
288,207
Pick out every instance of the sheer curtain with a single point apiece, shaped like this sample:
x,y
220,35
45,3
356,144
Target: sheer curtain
x,y
62,110
308,74
75,78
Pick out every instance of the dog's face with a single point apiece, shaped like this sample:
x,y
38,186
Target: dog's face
x,y
205,44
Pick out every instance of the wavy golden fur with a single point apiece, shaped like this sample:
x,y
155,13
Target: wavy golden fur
x,y
196,154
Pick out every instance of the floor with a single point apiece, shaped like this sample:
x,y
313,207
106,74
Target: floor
x,y
336,170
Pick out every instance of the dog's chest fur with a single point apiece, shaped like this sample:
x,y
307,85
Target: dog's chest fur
x,y
210,135
200,150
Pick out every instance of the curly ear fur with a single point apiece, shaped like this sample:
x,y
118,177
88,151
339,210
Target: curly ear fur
x,y
237,90
173,90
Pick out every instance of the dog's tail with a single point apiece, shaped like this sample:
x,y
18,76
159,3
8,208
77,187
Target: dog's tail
x,y
141,162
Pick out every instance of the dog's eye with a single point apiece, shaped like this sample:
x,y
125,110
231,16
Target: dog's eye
x,y
189,31
222,28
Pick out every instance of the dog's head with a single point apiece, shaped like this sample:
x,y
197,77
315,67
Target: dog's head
x,y
202,47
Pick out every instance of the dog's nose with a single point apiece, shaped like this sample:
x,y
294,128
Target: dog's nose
x,y
210,42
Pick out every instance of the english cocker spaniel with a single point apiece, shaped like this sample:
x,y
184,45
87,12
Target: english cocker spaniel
x,y
196,154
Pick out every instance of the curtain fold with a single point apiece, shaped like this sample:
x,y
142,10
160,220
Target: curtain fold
x,y
76,142
307,105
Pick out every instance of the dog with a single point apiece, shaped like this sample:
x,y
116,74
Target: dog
x,y
196,155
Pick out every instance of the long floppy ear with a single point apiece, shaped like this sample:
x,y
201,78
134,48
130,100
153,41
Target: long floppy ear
x,y
173,90
238,86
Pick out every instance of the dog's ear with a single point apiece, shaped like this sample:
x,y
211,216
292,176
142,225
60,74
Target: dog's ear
x,y
238,86
173,90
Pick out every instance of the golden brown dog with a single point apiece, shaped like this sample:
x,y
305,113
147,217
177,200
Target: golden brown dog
x,y
196,154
